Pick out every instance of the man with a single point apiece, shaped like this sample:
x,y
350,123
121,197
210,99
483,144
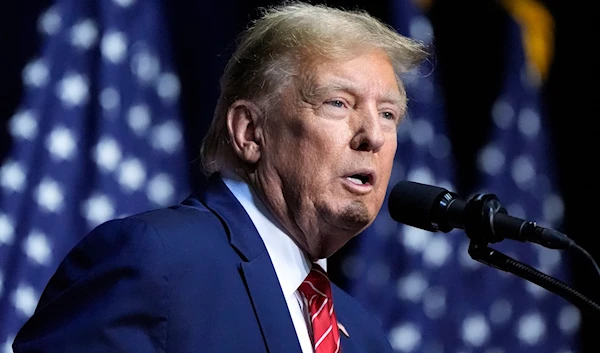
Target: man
x,y
299,157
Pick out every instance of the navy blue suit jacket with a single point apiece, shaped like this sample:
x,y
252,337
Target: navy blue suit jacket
x,y
190,278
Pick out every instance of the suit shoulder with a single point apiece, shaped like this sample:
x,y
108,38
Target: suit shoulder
x,y
179,233
167,224
182,228
178,219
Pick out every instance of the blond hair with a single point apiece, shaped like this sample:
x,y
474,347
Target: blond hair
x,y
274,49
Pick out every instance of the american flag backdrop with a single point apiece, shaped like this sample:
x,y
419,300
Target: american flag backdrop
x,y
98,136
428,293
517,165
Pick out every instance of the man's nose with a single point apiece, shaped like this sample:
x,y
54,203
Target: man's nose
x,y
369,134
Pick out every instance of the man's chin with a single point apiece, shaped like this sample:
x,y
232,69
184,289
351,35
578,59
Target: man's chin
x,y
338,226
356,216
350,219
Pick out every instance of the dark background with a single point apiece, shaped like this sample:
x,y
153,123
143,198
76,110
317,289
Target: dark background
x,y
469,39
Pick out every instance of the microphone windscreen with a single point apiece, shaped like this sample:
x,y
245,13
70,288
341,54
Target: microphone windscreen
x,y
413,203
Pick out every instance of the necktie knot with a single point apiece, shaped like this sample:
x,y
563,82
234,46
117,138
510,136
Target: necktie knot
x,y
316,290
316,284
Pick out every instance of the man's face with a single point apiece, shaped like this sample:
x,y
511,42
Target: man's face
x,y
328,151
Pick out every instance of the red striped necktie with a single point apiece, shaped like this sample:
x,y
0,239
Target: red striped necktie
x,y
316,290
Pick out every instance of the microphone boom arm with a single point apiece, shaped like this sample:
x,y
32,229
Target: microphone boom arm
x,y
496,259
486,221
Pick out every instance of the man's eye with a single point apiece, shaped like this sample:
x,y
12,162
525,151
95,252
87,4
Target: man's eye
x,y
336,103
388,115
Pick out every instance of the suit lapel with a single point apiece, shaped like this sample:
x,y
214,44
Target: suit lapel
x,y
345,341
256,267
341,312
269,303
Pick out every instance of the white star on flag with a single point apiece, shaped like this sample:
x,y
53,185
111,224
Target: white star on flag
x,y
36,248
24,125
97,209
12,176
73,90
114,46
49,195
107,154
138,118
36,73
7,230
84,34
131,174
25,300
61,143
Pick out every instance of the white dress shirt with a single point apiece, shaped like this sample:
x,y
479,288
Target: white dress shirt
x,y
290,263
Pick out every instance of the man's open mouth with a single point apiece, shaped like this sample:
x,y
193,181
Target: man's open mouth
x,y
360,179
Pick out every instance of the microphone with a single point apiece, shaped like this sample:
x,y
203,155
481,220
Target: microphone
x,y
482,217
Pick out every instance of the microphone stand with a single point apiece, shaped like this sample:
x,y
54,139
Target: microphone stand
x,y
496,259
480,213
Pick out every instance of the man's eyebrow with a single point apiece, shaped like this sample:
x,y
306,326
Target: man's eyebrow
x,y
318,90
395,99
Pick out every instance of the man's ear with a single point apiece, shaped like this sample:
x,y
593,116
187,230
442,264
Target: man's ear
x,y
243,119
